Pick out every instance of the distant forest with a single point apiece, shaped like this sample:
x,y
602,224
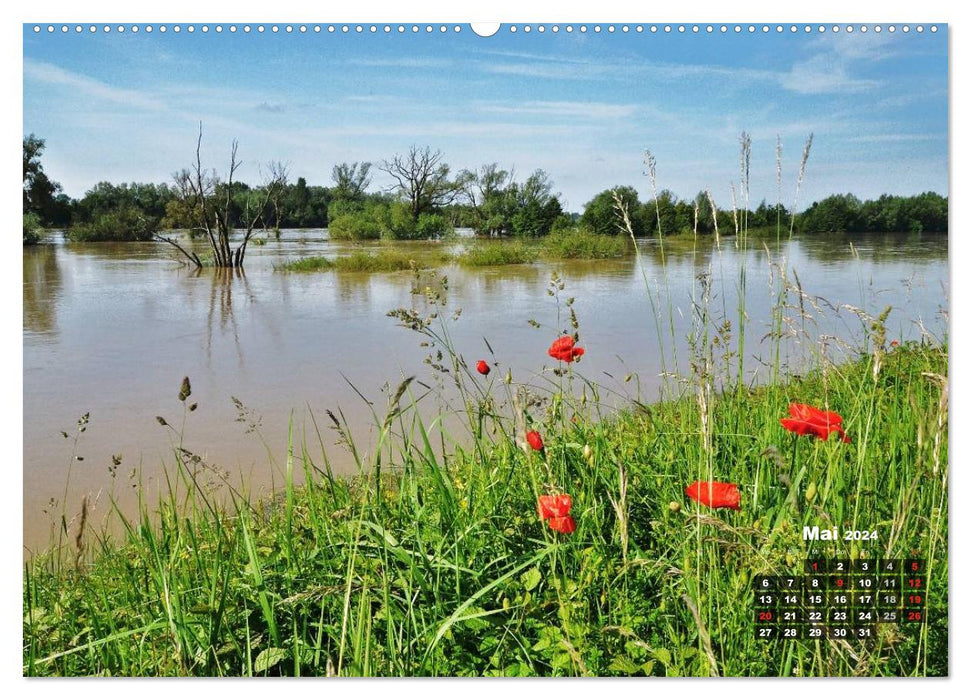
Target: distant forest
x,y
427,201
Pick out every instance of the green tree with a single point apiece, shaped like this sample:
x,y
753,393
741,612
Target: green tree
x,y
601,214
665,209
491,199
39,189
536,206
839,213
351,181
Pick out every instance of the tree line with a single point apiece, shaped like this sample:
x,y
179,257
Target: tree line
x,y
425,199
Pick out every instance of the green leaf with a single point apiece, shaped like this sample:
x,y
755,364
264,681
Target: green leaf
x,y
624,665
268,658
663,655
543,643
532,578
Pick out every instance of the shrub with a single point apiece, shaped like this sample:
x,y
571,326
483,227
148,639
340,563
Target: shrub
x,y
580,243
354,227
432,226
32,229
316,263
124,224
498,253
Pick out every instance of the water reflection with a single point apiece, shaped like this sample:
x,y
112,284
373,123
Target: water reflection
x,y
354,287
221,313
42,288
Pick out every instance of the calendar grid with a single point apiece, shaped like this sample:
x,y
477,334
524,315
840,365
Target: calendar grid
x,y
840,599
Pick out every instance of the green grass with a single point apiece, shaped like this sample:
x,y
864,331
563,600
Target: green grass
x,y
571,244
313,263
581,244
492,253
386,260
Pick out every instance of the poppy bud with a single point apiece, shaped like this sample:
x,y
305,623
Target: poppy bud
x,y
482,367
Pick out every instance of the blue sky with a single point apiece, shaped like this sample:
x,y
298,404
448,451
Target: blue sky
x,y
582,106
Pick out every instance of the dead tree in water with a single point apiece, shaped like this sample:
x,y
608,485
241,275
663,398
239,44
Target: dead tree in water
x,y
210,201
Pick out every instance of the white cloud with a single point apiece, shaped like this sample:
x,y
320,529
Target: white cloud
x,y
824,72
51,74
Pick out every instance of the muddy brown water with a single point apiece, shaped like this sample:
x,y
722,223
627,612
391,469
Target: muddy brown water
x,y
109,330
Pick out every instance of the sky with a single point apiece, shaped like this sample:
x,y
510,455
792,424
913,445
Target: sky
x,y
583,106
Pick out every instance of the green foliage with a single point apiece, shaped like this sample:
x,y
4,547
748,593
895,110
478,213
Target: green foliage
x,y
343,207
358,226
32,229
370,220
925,212
387,260
127,223
351,181
315,263
486,254
580,243
432,226
41,194
396,222
601,216
676,216
536,206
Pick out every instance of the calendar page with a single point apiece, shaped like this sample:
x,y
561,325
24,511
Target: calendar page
x,y
397,349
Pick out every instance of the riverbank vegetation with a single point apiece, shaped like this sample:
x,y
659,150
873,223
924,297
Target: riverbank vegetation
x,y
384,260
427,199
571,243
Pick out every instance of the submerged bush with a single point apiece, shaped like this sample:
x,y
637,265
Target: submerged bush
x,y
314,263
358,226
580,243
358,261
498,253
390,222
380,261
32,229
123,224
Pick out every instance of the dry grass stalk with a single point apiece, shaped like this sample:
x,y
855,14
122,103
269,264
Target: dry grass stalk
x,y
802,175
79,538
714,217
702,634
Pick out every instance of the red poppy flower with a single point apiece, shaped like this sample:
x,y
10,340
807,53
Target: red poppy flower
x,y
535,440
715,494
563,349
564,524
894,343
807,420
554,506
482,367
